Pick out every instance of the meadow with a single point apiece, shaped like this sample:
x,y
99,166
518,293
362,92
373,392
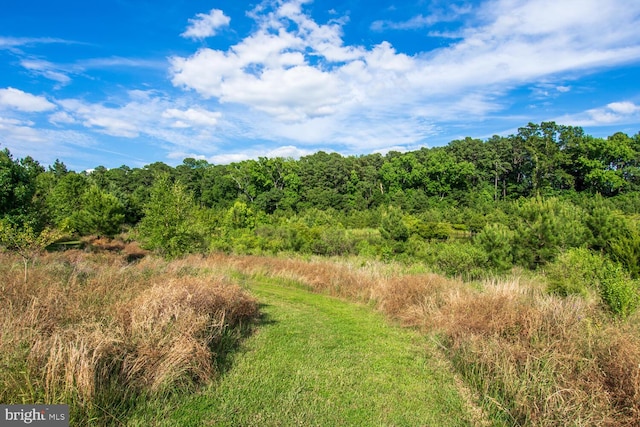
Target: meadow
x,y
124,336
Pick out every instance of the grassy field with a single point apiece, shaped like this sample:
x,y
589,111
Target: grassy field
x,y
239,340
532,358
319,361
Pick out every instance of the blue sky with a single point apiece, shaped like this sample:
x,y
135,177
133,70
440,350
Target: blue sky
x,y
137,81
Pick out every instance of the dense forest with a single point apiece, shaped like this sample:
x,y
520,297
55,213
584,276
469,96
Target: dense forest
x,y
547,197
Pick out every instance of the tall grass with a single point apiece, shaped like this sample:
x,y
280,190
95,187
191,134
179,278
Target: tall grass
x,y
533,358
98,332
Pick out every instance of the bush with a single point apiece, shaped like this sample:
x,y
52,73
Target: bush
x,y
545,228
460,259
331,241
617,290
575,272
497,242
580,271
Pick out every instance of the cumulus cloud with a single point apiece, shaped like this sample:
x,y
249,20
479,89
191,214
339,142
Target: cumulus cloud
x,y
206,24
192,116
621,112
302,75
23,101
623,108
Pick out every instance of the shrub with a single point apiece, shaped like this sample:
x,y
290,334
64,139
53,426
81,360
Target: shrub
x,y
497,241
575,272
393,226
545,228
332,241
460,259
617,290
579,271
170,224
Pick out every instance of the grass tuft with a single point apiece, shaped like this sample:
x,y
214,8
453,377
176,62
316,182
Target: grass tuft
x,y
95,331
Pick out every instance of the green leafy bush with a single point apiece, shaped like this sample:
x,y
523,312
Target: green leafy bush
x,y
580,271
497,242
170,225
546,227
459,259
617,290
575,272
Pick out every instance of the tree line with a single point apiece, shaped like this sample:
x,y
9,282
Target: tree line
x,y
466,208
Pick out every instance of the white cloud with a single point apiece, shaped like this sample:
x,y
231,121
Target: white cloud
x,y
61,118
46,145
46,69
622,112
450,14
299,82
286,151
194,116
205,25
116,62
23,101
14,42
225,159
623,108
151,114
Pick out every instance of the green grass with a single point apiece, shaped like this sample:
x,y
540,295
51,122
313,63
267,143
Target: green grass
x,y
317,360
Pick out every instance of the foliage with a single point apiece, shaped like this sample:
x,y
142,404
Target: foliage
x,y
18,189
521,199
575,272
497,242
460,259
545,227
393,226
582,272
26,242
169,225
617,290
101,214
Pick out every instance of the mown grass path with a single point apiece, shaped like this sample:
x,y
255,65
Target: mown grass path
x,y
320,361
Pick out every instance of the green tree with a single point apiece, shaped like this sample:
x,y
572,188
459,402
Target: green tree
x,y
239,216
101,213
497,242
26,242
499,157
65,198
18,186
170,224
394,229
544,228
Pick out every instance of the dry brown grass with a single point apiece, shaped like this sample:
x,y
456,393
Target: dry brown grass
x,y
90,326
533,358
